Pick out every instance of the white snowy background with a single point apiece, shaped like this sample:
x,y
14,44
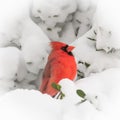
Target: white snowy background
x,y
26,29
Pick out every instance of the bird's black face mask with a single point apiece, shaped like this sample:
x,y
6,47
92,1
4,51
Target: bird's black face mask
x,y
65,50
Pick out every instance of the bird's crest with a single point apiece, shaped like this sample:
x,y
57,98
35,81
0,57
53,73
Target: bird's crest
x,y
57,45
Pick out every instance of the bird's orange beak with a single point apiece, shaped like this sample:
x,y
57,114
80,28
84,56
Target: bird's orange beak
x,y
70,48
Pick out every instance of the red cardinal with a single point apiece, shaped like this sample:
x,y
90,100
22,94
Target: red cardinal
x,y
61,64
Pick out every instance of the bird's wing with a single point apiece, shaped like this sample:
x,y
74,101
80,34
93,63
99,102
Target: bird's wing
x,y
56,74
53,73
45,78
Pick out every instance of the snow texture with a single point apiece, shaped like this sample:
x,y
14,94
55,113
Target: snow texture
x,y
26,29
100,95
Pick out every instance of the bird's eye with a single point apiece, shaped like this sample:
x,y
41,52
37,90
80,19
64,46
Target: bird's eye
x,y
64,48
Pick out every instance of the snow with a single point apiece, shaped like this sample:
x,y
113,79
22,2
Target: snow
x,y
12,67
68,35
34,46
105,86
26,29
107,20
93,56
31,104
56,11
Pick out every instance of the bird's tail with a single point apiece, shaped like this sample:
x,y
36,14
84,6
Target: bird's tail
x,y
46,87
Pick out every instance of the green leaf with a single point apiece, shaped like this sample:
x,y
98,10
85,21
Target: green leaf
x,y
87,64
49,29
55,15
80,74
82,101
100,50
91,39
56,86
81,93
95,32
29,63
62,95
80,62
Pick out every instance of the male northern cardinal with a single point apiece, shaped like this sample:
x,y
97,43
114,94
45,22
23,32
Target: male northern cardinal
x,y
61,64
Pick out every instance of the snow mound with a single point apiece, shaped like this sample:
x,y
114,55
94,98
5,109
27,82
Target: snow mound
x,y
29,105
106,20
89,58
12,67
34,46
100,97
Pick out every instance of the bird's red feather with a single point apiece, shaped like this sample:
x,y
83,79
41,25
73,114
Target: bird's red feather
x,y
60,65
57,45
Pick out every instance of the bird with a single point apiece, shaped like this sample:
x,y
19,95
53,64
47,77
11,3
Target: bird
x,y
61,64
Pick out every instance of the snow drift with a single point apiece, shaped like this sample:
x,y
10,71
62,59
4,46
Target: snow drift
x,y
26,29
